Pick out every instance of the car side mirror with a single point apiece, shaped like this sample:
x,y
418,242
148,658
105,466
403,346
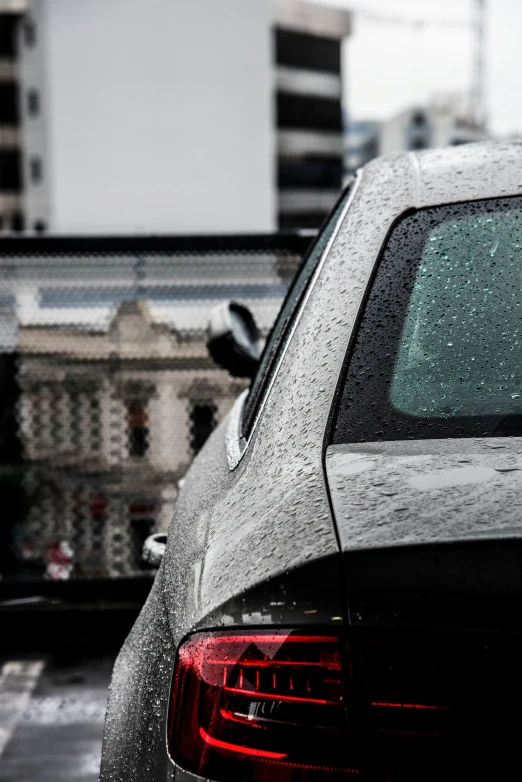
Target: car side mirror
x,y
154,549
233,339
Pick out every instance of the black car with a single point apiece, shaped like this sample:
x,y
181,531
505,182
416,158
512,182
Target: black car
x,y
340,594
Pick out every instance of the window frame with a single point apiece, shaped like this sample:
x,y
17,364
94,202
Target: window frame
x,y
136,448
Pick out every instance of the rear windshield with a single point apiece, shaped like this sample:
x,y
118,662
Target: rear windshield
x,y
438,352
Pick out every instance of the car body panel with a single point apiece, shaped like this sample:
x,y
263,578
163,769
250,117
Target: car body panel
x,y
233,530
134,746
489,169
471,586
425,491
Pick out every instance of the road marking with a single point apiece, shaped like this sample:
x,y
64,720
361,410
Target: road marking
x,y
17,682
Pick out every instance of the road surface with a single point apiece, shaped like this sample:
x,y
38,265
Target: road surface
x,y
51,718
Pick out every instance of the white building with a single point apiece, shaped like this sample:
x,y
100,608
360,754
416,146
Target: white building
x,y
441,123
444,121
185,116
307,45
151,116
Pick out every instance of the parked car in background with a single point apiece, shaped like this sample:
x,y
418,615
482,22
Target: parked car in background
x,y
340,592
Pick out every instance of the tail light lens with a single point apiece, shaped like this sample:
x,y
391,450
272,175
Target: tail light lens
x,y
264,706
404,706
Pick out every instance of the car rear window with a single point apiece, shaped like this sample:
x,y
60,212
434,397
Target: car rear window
x,y
438,352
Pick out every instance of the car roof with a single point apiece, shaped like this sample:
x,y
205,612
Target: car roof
x,y
468,172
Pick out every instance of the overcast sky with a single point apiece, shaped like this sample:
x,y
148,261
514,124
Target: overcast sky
x,y
388,67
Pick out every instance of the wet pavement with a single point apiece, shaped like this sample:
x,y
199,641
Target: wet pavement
x,y
51,718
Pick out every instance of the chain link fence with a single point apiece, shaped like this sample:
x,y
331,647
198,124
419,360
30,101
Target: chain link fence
x,y
106,388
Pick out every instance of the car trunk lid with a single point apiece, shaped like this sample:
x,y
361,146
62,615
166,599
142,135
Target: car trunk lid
x,y
431,535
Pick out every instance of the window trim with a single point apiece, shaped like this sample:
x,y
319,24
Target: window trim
x,y
236,443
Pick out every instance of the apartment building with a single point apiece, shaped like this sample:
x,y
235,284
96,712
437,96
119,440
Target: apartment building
x,y
215,116
109,422
309,90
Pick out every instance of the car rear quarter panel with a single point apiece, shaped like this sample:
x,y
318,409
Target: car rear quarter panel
x,y
233,530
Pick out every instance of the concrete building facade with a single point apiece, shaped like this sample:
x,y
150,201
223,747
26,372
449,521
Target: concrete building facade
x,y
129,116
107,391
152,116
109,422
307,45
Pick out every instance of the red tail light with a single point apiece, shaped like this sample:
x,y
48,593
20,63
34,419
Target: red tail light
x,y
264,706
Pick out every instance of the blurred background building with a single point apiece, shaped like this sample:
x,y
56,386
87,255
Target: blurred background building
x,y
142,117
361,143
210,117
107,391
110,420
445,121
309,122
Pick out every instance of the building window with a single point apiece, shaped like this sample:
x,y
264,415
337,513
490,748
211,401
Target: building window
x,y
10,171
36,423
95,424
55,419
33,103
138,431
142,521
29,32
308,112
311,52
9,103
74,419
98,506
202,423
8,31
310,172
17,222
299,220
36,169
419,143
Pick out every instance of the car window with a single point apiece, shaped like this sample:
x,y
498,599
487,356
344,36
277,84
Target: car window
x,y
438,352
277,337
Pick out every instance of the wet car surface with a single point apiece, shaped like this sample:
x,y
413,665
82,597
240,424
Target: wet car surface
x,y
335,586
